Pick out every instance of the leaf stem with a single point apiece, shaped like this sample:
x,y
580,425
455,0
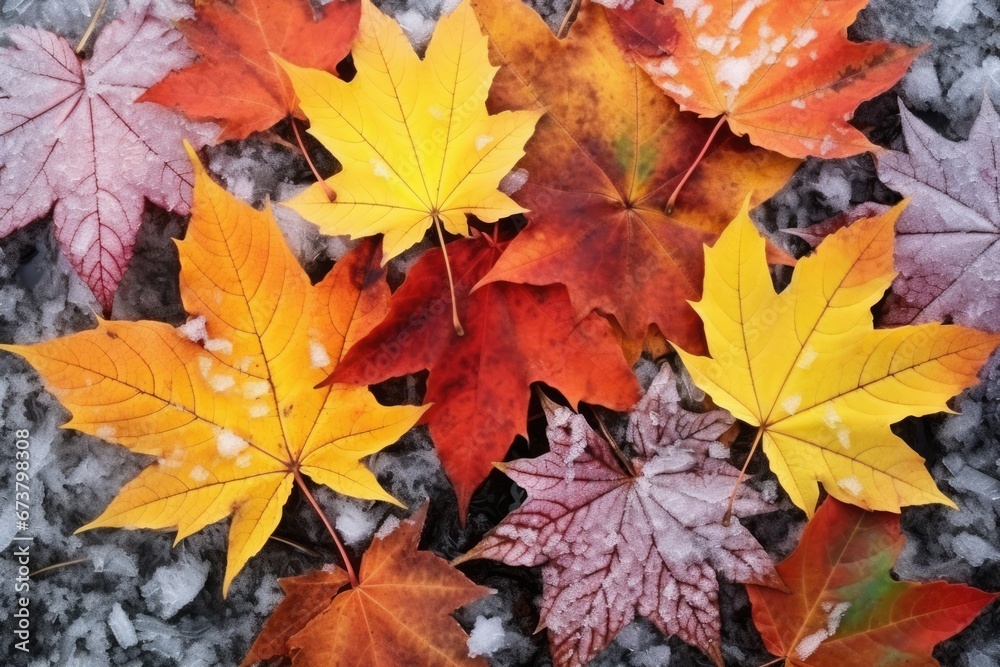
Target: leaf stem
x,y
606,434
56,566
669,208
736,487
772,662
567,22
327,190
326,522
90,28
298,547
451,282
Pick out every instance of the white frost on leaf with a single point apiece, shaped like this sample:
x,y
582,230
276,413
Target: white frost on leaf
x,y
318,356
72,136
851,484
513,181
657,540
194,329
808,645
229,444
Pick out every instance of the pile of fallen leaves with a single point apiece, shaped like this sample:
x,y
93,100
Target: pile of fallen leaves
x,y
638,241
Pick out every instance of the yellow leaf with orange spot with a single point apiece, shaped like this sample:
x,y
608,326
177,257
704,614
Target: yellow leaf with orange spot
x,y
226,403
808,368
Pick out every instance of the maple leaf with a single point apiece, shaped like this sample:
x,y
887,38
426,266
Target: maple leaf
x,y
783,73
612,544
233,419
416,142
844,607
809,370
399,614
598,175
948,239
479,383
72,135
236,82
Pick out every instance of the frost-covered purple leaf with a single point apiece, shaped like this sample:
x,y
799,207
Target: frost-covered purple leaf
x,y
70,135
948,238
612,546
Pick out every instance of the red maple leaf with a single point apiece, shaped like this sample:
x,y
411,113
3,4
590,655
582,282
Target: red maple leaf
x,y
479,383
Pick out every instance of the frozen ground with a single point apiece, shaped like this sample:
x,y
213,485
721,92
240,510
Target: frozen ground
x,y
135,600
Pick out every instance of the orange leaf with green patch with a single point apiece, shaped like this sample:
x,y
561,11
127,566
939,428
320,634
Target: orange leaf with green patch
x,y
596,176
844,608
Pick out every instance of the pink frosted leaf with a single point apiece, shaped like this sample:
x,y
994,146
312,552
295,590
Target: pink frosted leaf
x,y
70,135
612,546
948,238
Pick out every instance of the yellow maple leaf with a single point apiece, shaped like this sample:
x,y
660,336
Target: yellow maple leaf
x,y
808,368
232,416
417,144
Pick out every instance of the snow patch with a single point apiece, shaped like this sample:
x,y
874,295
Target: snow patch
x,y
390,524
743,13
851,484
220,382
807,357
717,450
513,181
792,403
666,67
229,444
487,636
380,168
172,587
808,645
121,627
194,329
318,356
258,409
255,388
107,433
801,37
689,7
710,44
575,451
219,345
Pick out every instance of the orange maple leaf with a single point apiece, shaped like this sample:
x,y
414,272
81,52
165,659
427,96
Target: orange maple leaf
x,y
226,403
237,83
783,73
596,176
399,614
